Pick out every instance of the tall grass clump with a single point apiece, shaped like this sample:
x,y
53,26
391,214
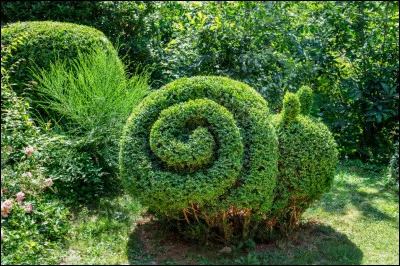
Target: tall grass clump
x,y
89,98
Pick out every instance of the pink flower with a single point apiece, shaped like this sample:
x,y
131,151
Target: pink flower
x,y
2,235
28,207
48,182
20,196
6,207
27,174
9,148
29,150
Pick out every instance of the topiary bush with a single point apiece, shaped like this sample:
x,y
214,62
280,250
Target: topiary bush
x,y
307,160
202,149
45,42
306,99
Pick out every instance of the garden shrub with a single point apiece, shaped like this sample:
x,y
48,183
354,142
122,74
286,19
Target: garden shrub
x,y
34,223
307,160
392,177
45,42
202,148
123,22
77,176
87,101
90,98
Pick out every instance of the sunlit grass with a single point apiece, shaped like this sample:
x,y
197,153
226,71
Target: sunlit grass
x,y
357,222
362,208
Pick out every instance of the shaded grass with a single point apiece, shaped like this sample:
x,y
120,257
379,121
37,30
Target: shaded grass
x,y
100,232
355,223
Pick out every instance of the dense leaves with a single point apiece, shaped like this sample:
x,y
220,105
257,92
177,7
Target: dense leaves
x,y
307,163
34,223
90,97
345,51
41,43
205,142
123,22
392,177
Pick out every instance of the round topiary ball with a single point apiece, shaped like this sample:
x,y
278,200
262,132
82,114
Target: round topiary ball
x,y
38,43
307,163
204,141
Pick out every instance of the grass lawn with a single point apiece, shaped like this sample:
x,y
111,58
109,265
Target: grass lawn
x,y
357,222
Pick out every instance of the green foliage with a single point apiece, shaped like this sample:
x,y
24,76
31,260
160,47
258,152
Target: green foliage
x,y
392,178
198,232
165,163
346,51
44,43
90,98
195,148
77,176
307,163
123,22
75,164
306,99
32,230
291,107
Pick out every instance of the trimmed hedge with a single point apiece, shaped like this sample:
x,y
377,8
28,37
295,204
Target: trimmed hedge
x,y
45,42
205,142
123,22
307,160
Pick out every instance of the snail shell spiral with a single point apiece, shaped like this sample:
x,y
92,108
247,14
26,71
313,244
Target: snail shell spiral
x,y
203,140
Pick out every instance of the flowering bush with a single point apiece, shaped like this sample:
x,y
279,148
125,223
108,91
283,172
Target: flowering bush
x,y
6,207
33,222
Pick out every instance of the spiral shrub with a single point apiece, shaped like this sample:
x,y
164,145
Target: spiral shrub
x,y
203,142
45,42
307,160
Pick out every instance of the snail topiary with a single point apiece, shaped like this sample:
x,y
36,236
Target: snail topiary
x,y
307,159
202,148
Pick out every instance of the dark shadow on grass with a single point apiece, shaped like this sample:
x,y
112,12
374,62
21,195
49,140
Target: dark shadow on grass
x,y
152,241
310,243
